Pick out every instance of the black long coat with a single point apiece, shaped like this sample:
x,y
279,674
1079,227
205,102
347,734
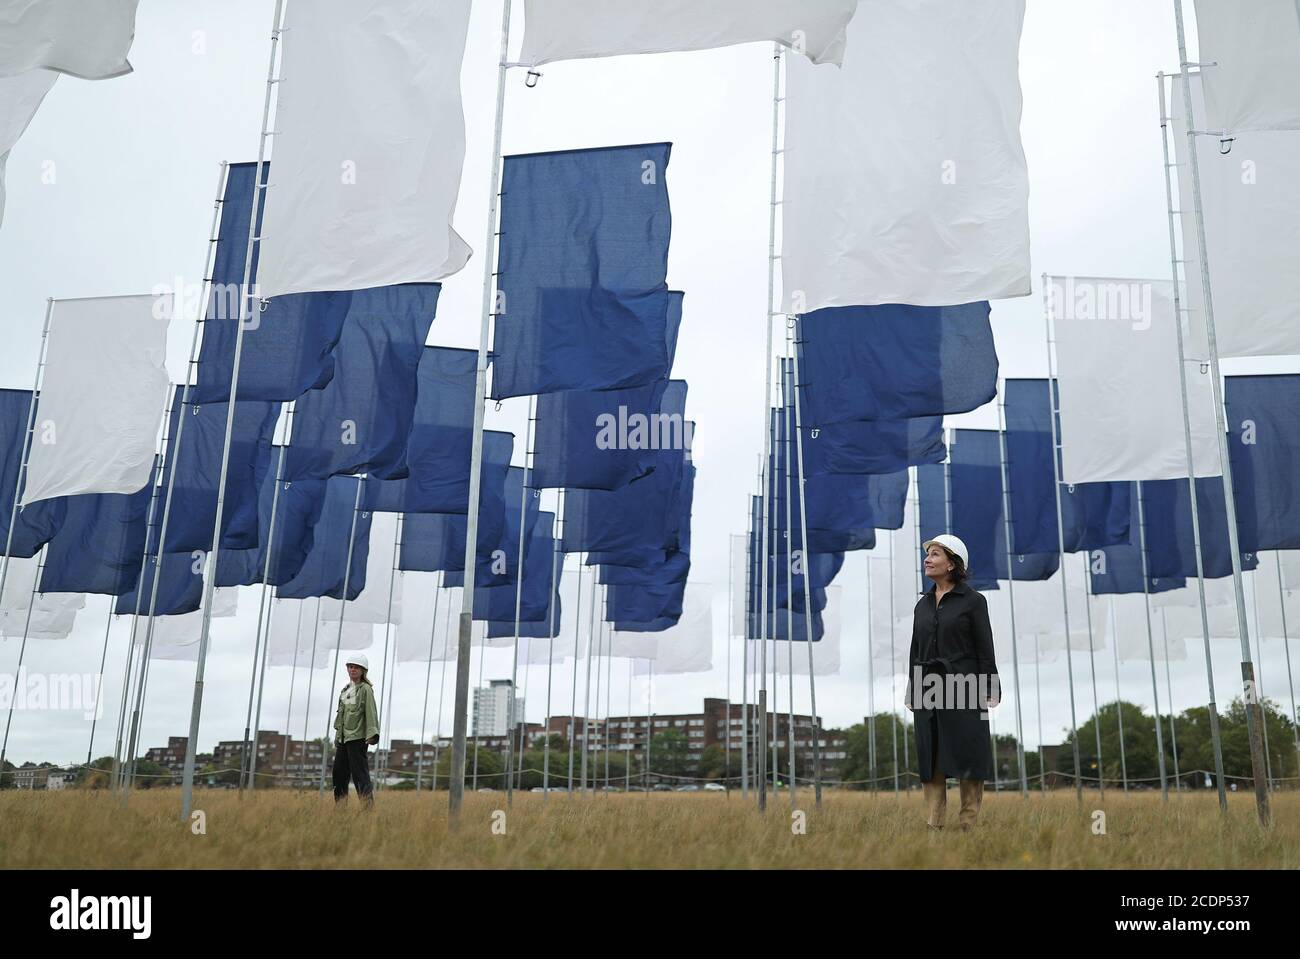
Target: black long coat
x,y
955,639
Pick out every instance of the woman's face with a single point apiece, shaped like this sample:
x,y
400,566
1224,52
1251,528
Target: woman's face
x,y
354,672
937,563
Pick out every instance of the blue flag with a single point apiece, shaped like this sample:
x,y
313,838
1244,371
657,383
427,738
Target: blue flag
x,y
197,464
497,603
39,521
641,518
326,565
100,546
605,439
583,299
1171,549
180,587
1264,448
975,488
1092,514
1118,569
360,422
895,362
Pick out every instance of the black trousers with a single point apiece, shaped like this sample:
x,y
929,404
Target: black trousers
x,y
350,762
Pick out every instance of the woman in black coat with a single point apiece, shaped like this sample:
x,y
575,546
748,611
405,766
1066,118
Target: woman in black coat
x,y
952,683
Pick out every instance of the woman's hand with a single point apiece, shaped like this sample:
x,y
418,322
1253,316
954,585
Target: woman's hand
x,y
373,740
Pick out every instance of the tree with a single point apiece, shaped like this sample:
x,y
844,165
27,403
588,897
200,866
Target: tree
x,y
712,763
670,753
856,767
490,765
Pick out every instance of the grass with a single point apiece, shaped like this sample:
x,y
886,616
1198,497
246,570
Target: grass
x,y
286,829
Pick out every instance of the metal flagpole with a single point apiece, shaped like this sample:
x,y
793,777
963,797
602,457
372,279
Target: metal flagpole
x,y
519,599
386,681
731,634
776,686
1119,700
442,689
1216,738
387,720
306,718
789,575
26,450
482,652
557,560
99,688
1060,533
649,715
744,656
259,676
31,602
871,686
627,735
210,567
807,587
1038,702
1286,646
428,675
893,666
293,681
1259,657
609,696
456,794
261,684
767,406
1092,665
1011,595
1151,647
343,612
573,700
1254,714
594,742
586,707
1169,690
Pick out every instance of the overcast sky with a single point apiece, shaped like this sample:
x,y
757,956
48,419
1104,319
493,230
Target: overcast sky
x,y
135,164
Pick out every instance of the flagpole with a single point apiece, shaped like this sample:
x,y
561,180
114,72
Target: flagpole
x,y
442,689
893,665
119,757
1151,647
1286,646
293,681
18,486
1216,738
1119,700
428,676
586,708
1038,702
767,403
871,684
1011,595
519,599
573,702
1057,444
1254,714
306,718
1092,665
731,635
99,689
386,681
343,612
784,448
557,560
1169,689
456,794
210,567
27,444
744,657
609,688
807,586
31,602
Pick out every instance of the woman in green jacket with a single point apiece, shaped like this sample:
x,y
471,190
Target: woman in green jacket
x,y
356,725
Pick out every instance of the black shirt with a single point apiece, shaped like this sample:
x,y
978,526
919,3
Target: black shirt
x,y
955,637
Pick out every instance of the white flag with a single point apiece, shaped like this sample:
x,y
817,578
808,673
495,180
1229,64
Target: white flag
x,y
905,178
1117,368
84,38
20,97
369,147
1250,197
1218,592
688,646
424,621
579,29
825,652
101,398
740,584
1132,639
1251,63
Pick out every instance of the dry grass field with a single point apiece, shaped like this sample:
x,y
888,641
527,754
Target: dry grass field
x,y
285,829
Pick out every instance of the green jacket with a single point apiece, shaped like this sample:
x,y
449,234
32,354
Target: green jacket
x,y
359,719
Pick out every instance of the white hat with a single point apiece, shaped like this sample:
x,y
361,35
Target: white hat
x,y
358,659
952,544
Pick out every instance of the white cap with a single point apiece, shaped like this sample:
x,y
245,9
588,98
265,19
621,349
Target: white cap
x,y
952,544
359,659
